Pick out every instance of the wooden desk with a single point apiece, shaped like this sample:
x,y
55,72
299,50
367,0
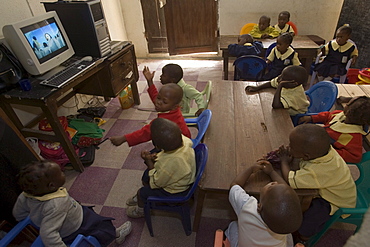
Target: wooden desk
x,y
352,90
303,44
106,78
243,129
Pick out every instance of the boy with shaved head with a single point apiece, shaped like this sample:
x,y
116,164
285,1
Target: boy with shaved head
x,y
322,168
263,30
170,172
167,104
268,222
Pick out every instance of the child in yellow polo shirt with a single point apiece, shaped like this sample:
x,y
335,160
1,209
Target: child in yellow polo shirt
x,y
263,30
320,167
289,90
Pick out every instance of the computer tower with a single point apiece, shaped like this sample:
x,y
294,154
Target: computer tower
x,y
85,25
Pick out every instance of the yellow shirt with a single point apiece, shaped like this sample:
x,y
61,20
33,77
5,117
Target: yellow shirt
x,y
175,170
257,33
293,99
331,176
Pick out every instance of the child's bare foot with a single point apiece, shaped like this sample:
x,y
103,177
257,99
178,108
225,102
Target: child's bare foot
x,y
117,140
249,89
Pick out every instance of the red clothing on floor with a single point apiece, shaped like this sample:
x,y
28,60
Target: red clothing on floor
x,y
144,135
345,138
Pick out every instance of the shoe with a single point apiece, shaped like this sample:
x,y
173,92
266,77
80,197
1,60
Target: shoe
x,y
135,212
123,231
132,201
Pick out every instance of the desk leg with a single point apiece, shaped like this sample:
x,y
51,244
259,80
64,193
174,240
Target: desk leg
x,y
198,210
50,109
135,93
226,65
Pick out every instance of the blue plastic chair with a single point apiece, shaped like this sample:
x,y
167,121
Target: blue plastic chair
x,y
322,97
269,49
80,240
249,67
202,123
362,203
179,204
267,53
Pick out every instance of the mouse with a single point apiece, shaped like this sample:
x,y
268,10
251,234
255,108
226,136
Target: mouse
x,y
87,58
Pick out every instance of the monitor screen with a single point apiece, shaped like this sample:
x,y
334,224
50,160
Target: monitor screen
x,y
45,39
40,43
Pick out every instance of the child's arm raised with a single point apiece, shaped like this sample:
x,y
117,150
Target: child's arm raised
x,y
148,75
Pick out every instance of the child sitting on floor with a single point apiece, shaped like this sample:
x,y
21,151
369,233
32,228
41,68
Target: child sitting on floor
x,y
289,92
281,56
282,26
320,167
338,52
167,104
345,128
59,217
263,30
268,222
170,172
173,73
246,46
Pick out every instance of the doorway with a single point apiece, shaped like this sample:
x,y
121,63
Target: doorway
x,y
181,26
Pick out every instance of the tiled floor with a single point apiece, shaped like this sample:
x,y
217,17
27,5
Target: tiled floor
x,y
116,173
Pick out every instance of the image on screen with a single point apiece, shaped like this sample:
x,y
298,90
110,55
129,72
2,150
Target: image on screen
x,y
45,39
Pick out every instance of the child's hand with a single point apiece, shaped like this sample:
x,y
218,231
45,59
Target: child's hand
x,y
288,84
250,89
149,158
284,154
242,41
354,59
148,75
146,155
265,36
304,120
117,140
266,167
200,110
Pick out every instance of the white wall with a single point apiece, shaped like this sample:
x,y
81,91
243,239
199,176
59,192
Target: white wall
x,y
310,16
125,17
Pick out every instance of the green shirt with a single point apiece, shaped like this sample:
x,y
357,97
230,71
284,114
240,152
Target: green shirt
x,y
190,93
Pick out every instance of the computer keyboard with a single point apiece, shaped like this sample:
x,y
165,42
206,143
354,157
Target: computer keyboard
x,y
66,75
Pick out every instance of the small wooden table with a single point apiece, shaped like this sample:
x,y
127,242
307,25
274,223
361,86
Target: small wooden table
x,y
303,44
106,78
244,128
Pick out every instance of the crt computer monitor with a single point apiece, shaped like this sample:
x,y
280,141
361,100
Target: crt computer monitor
x,y
40,43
